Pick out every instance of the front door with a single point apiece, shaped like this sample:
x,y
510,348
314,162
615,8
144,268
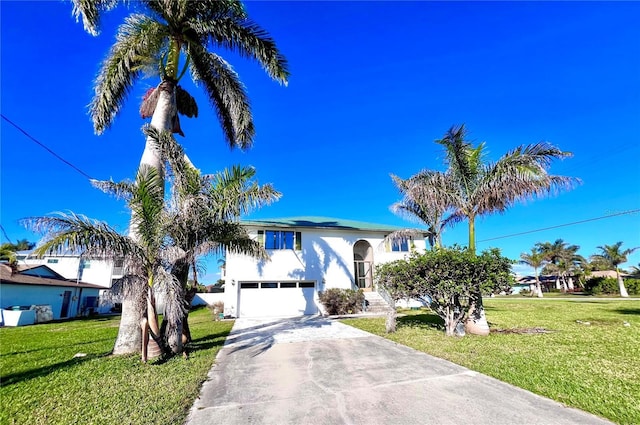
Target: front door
x,y
66,300
363,265
364,275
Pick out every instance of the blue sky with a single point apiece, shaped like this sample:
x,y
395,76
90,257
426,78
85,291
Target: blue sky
x,y
372,85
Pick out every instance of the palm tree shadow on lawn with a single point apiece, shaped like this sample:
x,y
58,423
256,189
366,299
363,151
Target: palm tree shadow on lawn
x,y
632,311
424,320
208,341
26,375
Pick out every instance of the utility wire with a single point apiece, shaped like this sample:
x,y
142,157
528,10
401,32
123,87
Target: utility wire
x,y
4,232
562,225
45,147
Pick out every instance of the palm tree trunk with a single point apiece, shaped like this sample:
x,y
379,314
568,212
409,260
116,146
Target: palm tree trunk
x,y
477,323
472,235
129,338
154,348
623,290
538,287
570,283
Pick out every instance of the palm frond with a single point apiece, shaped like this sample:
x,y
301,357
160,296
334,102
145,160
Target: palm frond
x,y
462,159
147,204
404,235
246,38
129,286
79,234
121,190
90,11
226,94
233,193
186,103
210,10
139,38
519,175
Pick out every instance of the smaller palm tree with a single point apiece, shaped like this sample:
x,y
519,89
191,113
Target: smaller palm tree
x,y
559,256
613,256
148,256
535,259
422,202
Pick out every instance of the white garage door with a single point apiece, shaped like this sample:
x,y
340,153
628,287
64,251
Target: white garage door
x,y
289,298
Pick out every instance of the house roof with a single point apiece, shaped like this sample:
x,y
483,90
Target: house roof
x,y
321,223
23,279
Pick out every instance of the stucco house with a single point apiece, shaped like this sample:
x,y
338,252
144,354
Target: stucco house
x,y
307,255
72,266
37,293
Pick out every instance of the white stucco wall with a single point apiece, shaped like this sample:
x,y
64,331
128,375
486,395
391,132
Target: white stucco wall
x,y
326,257
207,298
27,295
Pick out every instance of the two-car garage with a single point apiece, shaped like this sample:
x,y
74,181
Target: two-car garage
x,y
277,298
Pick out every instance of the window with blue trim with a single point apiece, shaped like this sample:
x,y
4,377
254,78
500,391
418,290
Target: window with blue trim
x,y
280,239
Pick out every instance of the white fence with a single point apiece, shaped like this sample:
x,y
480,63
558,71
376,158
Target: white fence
x,y
207,298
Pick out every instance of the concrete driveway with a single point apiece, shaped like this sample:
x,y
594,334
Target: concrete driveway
x,y
312,370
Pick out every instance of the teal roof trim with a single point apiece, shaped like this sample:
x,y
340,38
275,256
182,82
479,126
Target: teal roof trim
x,y
321,223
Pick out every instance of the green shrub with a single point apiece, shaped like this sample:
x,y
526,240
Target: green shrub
x,y
633,286
342,301
601,285
452,278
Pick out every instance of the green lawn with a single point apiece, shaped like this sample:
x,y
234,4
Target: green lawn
x,y
43,383
594,367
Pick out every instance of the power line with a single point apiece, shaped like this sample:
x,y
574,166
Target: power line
x,y
4,232
562,225
45,147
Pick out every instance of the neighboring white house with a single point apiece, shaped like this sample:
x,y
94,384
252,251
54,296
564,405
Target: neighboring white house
x,y
72,266
307,255
27,291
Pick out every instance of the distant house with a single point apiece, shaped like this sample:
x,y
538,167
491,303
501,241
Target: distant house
x,y
72,266
307,255
547,283
41,286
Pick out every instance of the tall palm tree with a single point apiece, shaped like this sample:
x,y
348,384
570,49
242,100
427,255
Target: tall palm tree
x,y
474,187
614,256
536,260
155,39
160,35
421,202
477,187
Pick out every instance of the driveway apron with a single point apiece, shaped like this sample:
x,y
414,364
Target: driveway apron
x,y
312,370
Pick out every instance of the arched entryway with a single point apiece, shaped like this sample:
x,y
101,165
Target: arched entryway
x,y
363,265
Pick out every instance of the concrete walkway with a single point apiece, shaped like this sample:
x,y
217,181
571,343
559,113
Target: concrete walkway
x,y
312,370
